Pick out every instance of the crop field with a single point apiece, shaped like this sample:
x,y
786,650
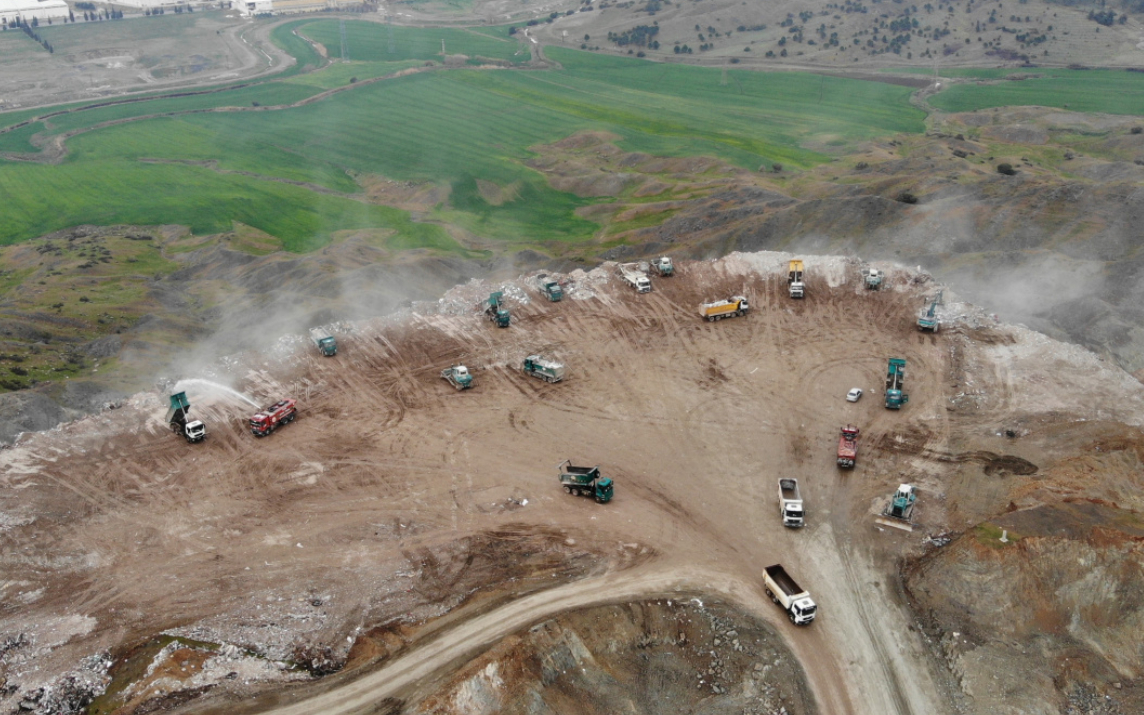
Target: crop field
x,y
288,171
369,42
1108,91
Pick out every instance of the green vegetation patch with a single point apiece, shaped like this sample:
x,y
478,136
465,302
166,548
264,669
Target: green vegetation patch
x,y
20,140
370,42
1107,91
990,535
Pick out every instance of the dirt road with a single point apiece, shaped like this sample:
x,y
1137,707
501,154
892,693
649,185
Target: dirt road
x,y
394,500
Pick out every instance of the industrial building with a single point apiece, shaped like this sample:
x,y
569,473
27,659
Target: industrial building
x,y
41,10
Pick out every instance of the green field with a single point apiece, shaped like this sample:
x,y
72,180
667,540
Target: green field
x,y
444,126
1108,91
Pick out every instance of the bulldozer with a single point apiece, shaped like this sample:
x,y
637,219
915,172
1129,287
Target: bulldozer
x,y
897,513
458,376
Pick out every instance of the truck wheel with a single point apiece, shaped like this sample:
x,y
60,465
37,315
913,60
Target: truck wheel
x,y
791,616
771,596
575,492
710,318
567,490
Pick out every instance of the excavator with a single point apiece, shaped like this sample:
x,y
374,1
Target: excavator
x,y
928,320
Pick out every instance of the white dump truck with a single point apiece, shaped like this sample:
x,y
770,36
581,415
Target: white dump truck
x,y
635,275
784,591
790,503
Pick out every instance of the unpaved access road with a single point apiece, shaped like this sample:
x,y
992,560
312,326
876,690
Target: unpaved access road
x,y
395,499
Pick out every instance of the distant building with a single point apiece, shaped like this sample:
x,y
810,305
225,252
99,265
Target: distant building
x,y
41,10
254,7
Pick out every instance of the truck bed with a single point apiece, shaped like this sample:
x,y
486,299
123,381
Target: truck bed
x,y
569,469
783,580
789,489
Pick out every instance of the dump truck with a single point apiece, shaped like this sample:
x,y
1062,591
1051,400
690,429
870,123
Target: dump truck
x,y
730,308
458,376
794,278
271,418
848,447
784,591
790,503
635,275
895,381
495,311
325,342
550,288
928,319
178,417
874,278
547,370
897,513
585,481
663,267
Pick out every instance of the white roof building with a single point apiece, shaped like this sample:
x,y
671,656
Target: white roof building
x,y
28,9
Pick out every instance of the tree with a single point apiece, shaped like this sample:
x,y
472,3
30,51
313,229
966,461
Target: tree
x,y
35,21
1006,169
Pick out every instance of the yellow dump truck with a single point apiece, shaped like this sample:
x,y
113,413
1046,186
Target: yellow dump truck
x,y
794,277
730,308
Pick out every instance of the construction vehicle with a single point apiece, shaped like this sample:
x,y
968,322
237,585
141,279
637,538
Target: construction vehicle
x,y
191,430
547,370
928,319
495,311
790,503
874,278
325,342
585,481
794,278
635,275
784,591
271,418
730,308
663,267
895,381
848,447
897,513
551,289
458,376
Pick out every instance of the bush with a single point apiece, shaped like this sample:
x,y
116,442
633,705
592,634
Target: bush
x,y
959,154
1006,169
776,167
861,165
1137,130
907,198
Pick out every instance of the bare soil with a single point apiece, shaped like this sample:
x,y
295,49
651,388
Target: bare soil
x,y
399,528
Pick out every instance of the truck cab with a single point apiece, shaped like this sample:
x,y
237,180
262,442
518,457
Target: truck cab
x,y
328,346
195,431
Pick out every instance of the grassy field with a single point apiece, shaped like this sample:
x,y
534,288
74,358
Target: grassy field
x,y
1108,91
369,42
449,127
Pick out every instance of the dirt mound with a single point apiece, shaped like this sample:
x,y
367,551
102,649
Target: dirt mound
x,y
658,656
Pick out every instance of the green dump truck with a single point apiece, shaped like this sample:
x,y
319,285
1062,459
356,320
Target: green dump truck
x,y
547,370
585,481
